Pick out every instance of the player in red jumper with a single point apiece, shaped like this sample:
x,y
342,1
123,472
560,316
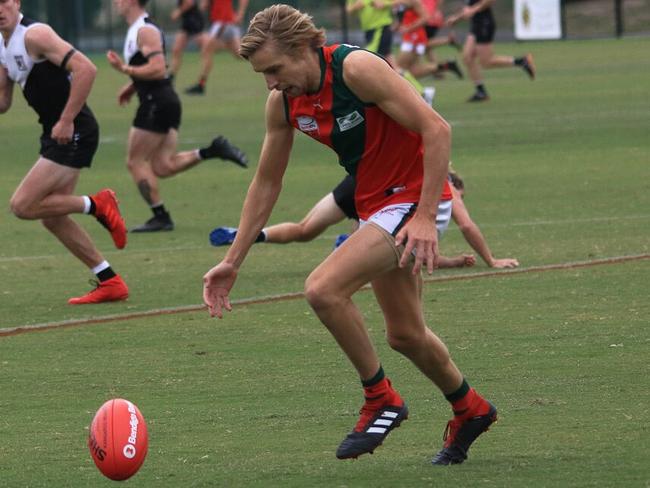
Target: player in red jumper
x,y
398,148
224,33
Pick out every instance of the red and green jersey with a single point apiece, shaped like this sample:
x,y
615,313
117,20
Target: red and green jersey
x,y
384,156
222,11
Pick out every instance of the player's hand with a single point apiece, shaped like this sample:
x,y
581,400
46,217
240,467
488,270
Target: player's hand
x,y
505,263
62,131
469,260
125,94
115,61
419,235
217,284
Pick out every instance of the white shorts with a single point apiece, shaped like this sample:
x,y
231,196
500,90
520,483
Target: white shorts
x,y
393,217
409,47
224,31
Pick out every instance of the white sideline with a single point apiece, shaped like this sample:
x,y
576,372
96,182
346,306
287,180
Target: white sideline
x,y
294,295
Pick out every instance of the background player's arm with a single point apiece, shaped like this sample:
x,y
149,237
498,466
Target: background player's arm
x,y
468,12
42,42
354,6
150,45
6,90
473,234
373,80
241,11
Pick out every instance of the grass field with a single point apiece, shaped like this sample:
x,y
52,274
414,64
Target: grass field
x,y
556,173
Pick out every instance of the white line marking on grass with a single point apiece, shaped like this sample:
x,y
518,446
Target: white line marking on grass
x,y
294,295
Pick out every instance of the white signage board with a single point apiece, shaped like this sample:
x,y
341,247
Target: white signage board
x,y
537,19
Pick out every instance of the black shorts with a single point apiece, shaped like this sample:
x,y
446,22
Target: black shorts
x,y
159,111
192,24
431,31
344,197
379,40
483,29
78,153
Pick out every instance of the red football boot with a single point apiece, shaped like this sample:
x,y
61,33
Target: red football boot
x,y
108,214
111,290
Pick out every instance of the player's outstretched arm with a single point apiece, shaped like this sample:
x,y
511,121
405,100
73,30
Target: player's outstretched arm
x,y
262,194
43,43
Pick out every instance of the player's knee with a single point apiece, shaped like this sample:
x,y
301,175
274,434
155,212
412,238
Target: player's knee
x,y
163,170
20,207
485,62
468,58
306,234
404,341
318,294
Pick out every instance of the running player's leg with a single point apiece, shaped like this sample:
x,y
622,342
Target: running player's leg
x,y
37,197
46,193
489,60
471,60
329,288
210,46
363,257
180,43
470,55
141,146
399,294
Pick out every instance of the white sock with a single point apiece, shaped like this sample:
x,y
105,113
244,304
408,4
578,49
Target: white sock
x,y
101,267
86,204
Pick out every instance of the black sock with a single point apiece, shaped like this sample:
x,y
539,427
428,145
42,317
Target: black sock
x,y
205,152
520,61
106,274
480,88
459,393
93,207
261,237
159,210
375,379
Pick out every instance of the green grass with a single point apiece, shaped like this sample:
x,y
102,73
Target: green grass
x,y
556,172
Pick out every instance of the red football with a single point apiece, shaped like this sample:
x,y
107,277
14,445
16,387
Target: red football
x,y
118,439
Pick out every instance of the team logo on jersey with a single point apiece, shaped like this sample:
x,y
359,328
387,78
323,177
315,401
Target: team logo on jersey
x,y
349,121
307,124
20,62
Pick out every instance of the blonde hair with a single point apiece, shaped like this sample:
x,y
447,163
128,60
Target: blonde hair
x,y
288,27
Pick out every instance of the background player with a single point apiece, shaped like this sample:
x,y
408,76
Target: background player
x,y
56,80
192,25
154,135
339,204
478,51
225,33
